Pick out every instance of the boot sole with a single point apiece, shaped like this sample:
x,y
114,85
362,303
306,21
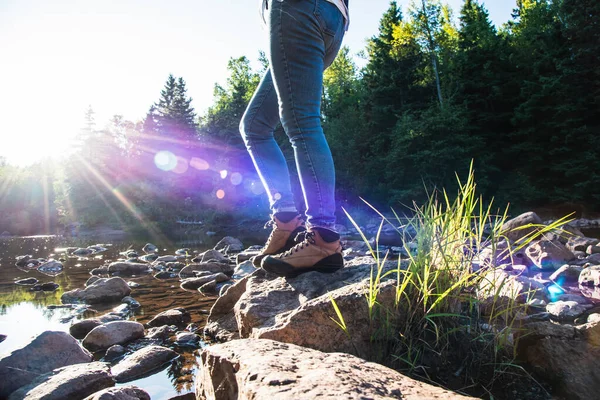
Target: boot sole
x,y
327,265
256,260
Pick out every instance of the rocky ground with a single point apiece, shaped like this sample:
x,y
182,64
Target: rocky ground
x,y
281,338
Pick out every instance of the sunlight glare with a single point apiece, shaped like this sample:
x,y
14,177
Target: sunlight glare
x,y
199,164
165,160
223,173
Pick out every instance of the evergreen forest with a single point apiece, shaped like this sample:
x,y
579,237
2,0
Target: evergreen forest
x,y
439,88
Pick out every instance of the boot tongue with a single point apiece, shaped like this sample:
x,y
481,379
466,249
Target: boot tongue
x,y
327,235
285,216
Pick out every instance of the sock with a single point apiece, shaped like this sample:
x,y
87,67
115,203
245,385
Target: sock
x,y
286,216
328,235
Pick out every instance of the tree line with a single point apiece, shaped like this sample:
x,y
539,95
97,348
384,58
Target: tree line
x,y
522,101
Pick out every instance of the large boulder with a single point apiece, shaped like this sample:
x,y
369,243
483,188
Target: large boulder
x,y
47,351
549,254
521,226
176,316
104,290
266,369
72,382
299,310
120,393
142,362
212,267
128,268
117,332
499,290
567,357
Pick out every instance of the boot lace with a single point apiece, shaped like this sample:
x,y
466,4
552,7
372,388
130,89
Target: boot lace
x,y
270,225
303,239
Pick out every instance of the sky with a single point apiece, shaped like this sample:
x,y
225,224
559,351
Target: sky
x,y
59,57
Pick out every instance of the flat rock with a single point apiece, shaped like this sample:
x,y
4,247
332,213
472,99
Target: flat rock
x,y
104,290
128,268
111,333
211,255
195,283
212,267
44,353
142,362
266,369
120,393
176,316
299,310
27,281
72,382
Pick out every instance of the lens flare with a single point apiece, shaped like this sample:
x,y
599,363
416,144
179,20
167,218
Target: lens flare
x,y
277,196
199,164
236,178
165,160
182,166
256,187
223,173
220,194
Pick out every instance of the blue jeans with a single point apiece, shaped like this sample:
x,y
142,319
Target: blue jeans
x,y
304,39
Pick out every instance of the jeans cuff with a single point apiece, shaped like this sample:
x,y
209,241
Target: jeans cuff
x,y
285,209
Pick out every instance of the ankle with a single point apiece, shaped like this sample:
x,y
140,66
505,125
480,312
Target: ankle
x,y
285,216
328,235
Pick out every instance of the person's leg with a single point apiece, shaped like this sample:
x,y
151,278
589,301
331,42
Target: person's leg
x,y
305,36
257,127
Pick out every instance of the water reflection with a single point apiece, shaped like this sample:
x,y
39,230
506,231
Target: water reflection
x,y
24,313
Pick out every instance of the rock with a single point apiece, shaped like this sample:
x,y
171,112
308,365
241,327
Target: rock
x,y
165,259
175,266
109,318
111,333
498,289
514,229
567,359
149,248
243,269
142,362
229,245
573,297
566,274
51,268
91,280
72,382
266,369
581,243
101,291
259,306
120,393
549,255
45,287
2,338
165,275
114,352
131,302
247,254
133,284
161,332
593,259
211,255
593,318
590,276
224,288
81,252
128,268
208,287
566,310
592,250
80,329
44,353
187,339
183,252
213,267
195,283
21,261
176,316
100,270
27,281
148,258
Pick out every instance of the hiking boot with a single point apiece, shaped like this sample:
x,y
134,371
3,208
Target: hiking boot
x,y
282,237
313,253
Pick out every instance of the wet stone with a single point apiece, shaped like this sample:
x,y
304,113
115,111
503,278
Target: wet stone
x,y
27,281
114,352
45,287
566,310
